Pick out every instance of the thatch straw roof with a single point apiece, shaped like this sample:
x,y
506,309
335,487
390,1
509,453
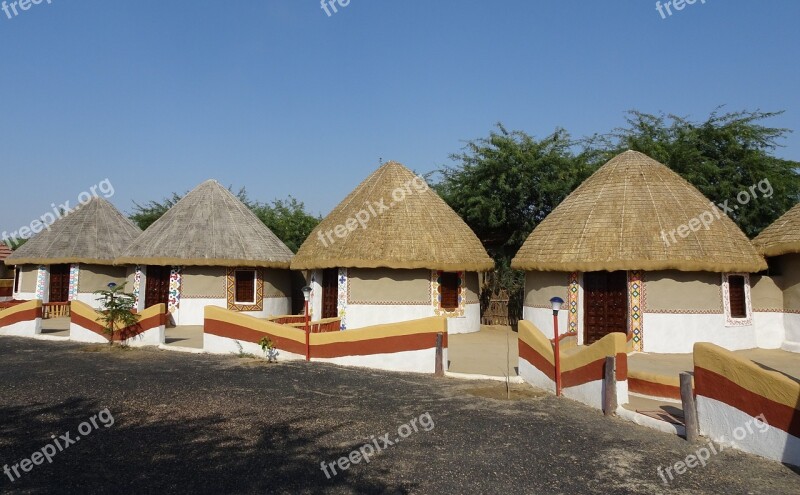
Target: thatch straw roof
x,y
415,229
208,227
94,233
782,236
615,220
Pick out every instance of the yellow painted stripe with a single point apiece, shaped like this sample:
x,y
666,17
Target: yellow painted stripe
x,y
610,345
530,334
769,384
246,321
19,308
434,324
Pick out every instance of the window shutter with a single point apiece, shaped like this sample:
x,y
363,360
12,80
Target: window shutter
x,y
736,296
449,290
245,286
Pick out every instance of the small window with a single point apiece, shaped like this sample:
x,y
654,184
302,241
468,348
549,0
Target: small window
x,y
449,290
245,286
736,296
17,276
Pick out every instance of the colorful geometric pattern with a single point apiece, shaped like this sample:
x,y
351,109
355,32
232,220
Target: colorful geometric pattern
x,y
636,311
231,292
342,305
726,302
74,272
41,275
572,302
174,289
311,297
137,284
436,296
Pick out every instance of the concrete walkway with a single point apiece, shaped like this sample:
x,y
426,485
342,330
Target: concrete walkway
x,y
493,351
56,327
184,336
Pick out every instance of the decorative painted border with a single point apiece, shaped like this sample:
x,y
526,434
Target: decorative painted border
x,y
230,278
635,308
572,302
726,302
137,284
343,291
74,274
311,297
436,296
174,289
41,276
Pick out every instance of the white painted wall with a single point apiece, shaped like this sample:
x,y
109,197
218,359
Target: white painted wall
x,y
90,299
543,319
214,344
729,426
192,311
791,324
677,333
469,323
30,328
423,361
769,328
79,334
154,336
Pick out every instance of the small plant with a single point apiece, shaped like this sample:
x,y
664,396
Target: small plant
x,y
269,349
116,310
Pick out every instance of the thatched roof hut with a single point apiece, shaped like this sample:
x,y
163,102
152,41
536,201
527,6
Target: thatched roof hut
x,y
208,227
619,217
94,233
406,225
782,236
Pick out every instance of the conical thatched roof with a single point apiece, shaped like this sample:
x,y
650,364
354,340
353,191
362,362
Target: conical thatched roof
x,y
615,220
94,233
414,229
782,237
208,227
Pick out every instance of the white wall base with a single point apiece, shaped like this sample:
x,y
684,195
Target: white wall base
x,y
535,377
729,426
79,334
154,336
30,328
543,320
214,344
469,323
89,299
423,361
677,333
192,311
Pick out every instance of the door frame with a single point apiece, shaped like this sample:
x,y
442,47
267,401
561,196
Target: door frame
x,y
582,300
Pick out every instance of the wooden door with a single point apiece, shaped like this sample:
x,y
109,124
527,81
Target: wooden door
x,y
59,283
157,286
605,304
330,293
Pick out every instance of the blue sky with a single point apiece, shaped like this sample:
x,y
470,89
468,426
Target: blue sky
x,y
274,95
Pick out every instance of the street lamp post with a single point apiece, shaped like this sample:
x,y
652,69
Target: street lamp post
x,y
307,297
556,303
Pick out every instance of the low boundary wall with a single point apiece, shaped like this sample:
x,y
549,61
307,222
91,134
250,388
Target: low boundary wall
x,y
22,320
86,325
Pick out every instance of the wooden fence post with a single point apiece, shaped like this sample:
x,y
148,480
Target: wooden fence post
x,y
689,407
439,369
610,386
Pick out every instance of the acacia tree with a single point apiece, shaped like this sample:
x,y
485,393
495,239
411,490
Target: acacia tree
x,y
721,156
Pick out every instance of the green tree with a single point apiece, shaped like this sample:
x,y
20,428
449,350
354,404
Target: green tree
x,y
722,156
116,309
145,215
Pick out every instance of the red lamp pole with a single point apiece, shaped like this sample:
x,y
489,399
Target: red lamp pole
x,y
308,336
557,352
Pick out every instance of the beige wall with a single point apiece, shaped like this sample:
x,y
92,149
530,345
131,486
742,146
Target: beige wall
x,y
472,290
384,285
540,287
28,274
674,290
97,277
277,283
790,278
765,292
203,282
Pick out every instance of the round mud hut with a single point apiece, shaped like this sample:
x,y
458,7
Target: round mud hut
x,y
210,249
394,251
637,249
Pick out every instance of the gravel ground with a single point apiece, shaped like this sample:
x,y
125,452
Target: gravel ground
x,y
226,424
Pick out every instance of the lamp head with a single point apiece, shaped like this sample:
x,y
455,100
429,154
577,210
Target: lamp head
x,y
556,303
306,293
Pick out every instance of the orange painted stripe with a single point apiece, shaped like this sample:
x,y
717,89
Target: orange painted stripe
x,y
20,316
126,333
536,360
381,345
654,389
236,332
717,387
578,376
